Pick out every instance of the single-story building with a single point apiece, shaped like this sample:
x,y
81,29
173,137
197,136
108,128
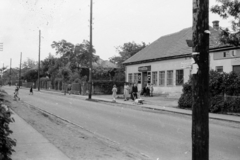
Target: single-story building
x,y
166,62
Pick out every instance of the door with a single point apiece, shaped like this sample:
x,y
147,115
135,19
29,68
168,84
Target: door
x,y
145,79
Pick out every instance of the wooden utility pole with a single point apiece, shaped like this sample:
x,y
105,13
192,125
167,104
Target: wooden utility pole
x,y
10,77
19,79
39,50
200,83
90,54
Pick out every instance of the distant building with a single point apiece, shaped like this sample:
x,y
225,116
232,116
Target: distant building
x,y
166,62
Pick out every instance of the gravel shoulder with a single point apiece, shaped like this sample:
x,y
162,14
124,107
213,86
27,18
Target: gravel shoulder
x,y
72,140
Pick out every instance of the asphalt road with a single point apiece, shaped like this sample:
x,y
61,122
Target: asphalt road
x,y
158,135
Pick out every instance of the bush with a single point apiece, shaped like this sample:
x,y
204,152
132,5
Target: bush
x,y
6,143
219,85
106,86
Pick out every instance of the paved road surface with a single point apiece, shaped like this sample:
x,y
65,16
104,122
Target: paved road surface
x,y
158,135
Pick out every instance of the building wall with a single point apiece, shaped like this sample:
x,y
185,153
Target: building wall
x,y
173,64
232,58
227,60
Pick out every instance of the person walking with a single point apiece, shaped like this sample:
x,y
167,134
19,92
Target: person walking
x,y
134,92
114,93
151,90
126,91
16,94
69,88
31,90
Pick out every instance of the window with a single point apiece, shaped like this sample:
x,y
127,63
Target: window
x,y
162,78
135,77
236,69
233,53
179,77
170,77
154,78
219,68
130,78
224,54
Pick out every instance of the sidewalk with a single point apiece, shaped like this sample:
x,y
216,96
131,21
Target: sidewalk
x,y
31,145
156,103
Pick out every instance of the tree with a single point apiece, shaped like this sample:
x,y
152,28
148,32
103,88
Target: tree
x,y
29,63
229,9
126,51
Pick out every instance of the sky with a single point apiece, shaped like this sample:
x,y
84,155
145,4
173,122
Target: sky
x,y
115,22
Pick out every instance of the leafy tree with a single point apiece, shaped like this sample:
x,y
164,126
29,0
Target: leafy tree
x,y
29,63
31,75
74,55
229,9
126,51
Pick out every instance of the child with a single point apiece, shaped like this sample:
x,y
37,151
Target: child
x,y
16,94
114,91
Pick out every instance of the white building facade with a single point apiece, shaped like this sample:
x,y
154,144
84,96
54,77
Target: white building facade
x,y
166,63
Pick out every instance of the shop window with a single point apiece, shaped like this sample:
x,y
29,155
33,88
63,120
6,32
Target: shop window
x,y
130,78
162,78
170,77
179,77
219,68
154,78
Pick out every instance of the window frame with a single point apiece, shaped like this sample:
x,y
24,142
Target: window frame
x,y
154,78
162,79
217,67
178,81
169,78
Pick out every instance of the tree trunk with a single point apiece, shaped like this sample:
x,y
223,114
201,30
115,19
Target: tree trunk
x,y
200,84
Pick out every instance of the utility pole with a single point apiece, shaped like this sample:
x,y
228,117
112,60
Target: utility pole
x,y
200,82
90,54
39,49
19,79
10,81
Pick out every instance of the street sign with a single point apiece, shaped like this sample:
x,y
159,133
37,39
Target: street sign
x,y
186,65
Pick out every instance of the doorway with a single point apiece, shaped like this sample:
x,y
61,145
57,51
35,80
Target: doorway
x,y
145,79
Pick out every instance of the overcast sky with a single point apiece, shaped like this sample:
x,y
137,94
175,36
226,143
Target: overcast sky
x,y
115,22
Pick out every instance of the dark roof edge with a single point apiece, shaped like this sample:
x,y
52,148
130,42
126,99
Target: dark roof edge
x,y
224,48
159,59
217,49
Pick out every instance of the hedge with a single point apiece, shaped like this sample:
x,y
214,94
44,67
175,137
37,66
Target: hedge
x,y
106,86
6,142
224,91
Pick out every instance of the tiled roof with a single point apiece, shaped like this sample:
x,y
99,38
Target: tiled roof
x,y
104,64
171,45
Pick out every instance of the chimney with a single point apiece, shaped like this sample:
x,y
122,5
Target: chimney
x,y
216,25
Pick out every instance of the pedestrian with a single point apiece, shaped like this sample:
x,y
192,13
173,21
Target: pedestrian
x,y
151,90
69,88
126,91
134,92
31,90
16,94
114,93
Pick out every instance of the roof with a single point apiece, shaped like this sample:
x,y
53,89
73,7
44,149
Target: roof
x,y
172,45
104,64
